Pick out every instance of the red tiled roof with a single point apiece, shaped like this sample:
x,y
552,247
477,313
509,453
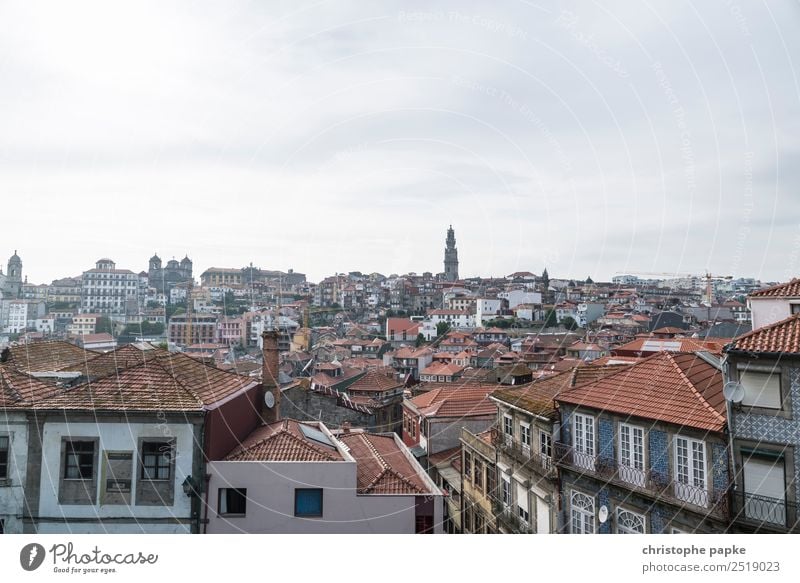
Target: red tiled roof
x,y
169,382
682,389
439,368
283,441
110,362
780,337
538,397
374,380
18,389
47,356
789,289
383,467
456,400
651,344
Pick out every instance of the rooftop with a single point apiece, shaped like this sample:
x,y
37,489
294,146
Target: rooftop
x,y
287,441
789,289
782,337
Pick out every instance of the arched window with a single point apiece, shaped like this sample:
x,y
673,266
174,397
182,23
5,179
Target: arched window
x,y
581,513
629,522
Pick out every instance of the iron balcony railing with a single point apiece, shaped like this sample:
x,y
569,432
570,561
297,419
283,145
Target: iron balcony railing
x,y
765,513
508,518
524,454
681,492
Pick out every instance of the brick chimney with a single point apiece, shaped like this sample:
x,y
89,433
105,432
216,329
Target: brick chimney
x,y
269,376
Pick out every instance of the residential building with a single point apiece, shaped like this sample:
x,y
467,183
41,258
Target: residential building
x,y
83,324
441,372
645,449
774,303
66,290
401,331
478,482
763,368
221,276
410,362
456,319
588,312
289,477
192,329
109,291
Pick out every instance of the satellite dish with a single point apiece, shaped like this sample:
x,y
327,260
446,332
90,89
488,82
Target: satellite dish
x,y
602,514
733,391
269,399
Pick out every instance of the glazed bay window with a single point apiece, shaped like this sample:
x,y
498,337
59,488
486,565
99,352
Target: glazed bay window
x,y
233,501
631,454
156,460
690,471
467,464
79,460
4,450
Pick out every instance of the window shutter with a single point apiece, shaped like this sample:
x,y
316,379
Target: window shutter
x,y
522,497
765,478
761,389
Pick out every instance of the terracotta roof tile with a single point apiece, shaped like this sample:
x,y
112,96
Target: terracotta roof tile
x,y
383,467
374,380
456,400
19,390
47,356
789,289
682,389
781,337
283,441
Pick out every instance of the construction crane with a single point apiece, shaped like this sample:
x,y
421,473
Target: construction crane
x,y
708,276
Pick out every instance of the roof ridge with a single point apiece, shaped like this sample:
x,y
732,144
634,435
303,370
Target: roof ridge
x,y
774,287
697,393
764,328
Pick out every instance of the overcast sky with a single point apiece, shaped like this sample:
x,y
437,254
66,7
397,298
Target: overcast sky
x,y
339,136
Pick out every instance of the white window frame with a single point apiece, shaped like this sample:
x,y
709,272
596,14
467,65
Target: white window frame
x,y
582,515
623,513
631,441
506,490
508,429
691,470
584,432
545,445
525,430
759,386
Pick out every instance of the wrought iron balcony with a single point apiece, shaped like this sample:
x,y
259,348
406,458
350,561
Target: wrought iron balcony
x,y
643,481
525,455
508,518
763,513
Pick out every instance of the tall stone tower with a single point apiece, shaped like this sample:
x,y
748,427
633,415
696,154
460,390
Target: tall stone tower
x,y
14,279
451,256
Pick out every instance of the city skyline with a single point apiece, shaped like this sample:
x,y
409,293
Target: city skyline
x,y
588,140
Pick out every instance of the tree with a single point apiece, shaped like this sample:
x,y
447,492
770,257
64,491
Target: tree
x,y
550,319
569,323
420,340
442,328
103,326
144,329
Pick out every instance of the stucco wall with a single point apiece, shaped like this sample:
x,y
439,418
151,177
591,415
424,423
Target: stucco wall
x,y
15,426
270,504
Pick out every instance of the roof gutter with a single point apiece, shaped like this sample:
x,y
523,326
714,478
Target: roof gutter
x,y
520,409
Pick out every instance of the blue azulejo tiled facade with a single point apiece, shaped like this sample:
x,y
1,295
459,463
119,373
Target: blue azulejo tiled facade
x,y
766,447
650,495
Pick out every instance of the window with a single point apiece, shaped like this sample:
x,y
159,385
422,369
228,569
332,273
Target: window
x,y
761,389
581,513
523,510
467,464
690,471
491,481
583,427
156,460
477,478
506,493
3,457
79,460
308,502
233,501
765,489
545,444
631,454
525,436
629,522
508,429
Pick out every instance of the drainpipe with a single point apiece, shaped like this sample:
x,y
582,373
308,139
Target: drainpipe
x,y
729,413
207,481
